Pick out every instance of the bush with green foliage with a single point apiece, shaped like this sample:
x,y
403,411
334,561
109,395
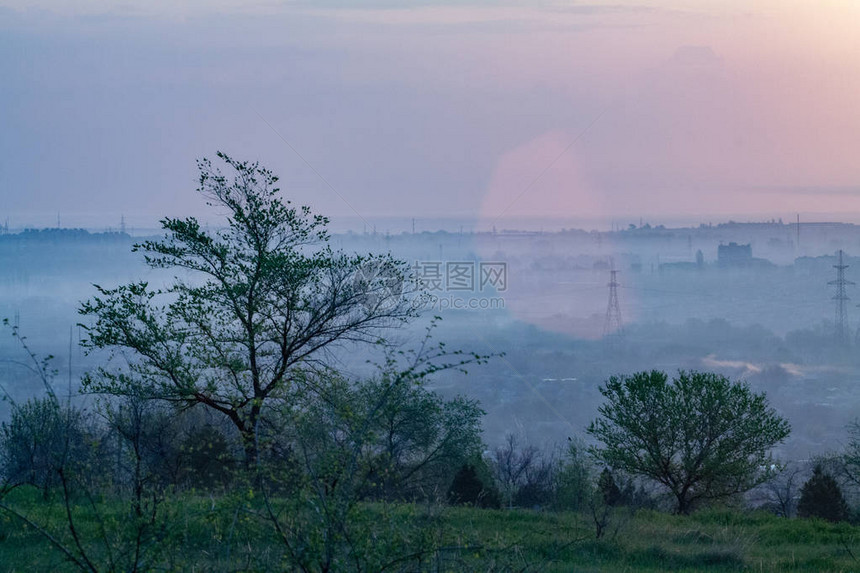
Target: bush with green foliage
x,y
207,459
573,478
42,438
467,488
822,497
419,439
609,489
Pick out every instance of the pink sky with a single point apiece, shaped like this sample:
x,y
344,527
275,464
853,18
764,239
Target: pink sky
x,y
696,109
745,111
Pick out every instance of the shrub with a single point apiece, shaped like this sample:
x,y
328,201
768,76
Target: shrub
x,y
822,497
608,488
41,438
533,495
209,462
573,479
468,489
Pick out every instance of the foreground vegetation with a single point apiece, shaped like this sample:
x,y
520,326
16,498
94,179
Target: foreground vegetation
x,y
202,533
223,434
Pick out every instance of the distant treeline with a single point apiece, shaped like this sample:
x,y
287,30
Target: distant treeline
x,y
57,235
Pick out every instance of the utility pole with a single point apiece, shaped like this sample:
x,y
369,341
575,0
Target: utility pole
x,y
613,324
841,298
798,231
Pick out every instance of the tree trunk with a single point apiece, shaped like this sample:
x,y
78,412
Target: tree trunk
x,y
249,444
248,431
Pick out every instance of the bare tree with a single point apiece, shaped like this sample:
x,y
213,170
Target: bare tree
x,y
513,465
783,491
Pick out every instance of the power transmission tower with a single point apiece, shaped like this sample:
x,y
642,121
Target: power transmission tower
x,y
841,298
613,324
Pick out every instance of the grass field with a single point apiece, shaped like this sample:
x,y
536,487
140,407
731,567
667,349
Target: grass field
x,y
229,533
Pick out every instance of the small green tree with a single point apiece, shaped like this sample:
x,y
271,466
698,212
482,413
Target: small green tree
x,y
573,477
467,488
608,488
822,497
701,436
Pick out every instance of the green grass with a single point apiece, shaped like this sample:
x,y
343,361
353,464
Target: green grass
x,y
201,533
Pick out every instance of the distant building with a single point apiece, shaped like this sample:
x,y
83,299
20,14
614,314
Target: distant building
x,y
734,255
684,265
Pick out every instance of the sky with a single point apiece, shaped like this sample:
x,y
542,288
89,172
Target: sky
x,y
484,111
